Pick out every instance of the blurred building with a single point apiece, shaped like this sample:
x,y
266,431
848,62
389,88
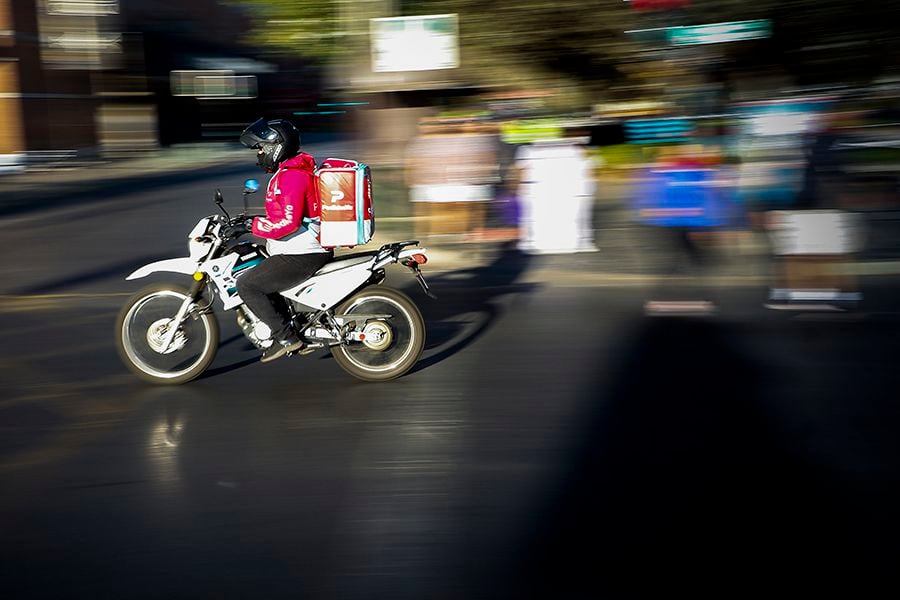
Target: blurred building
x,y
88,78
49,51
188,57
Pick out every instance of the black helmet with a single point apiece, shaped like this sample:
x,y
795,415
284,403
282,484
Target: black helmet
x,y
276,142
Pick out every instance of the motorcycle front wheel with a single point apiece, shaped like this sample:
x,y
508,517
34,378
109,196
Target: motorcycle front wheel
x,y
394,340
140,333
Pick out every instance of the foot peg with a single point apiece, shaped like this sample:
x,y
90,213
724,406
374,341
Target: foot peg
x,y
307,349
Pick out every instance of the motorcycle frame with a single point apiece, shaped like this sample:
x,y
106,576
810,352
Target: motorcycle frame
x,y
327,288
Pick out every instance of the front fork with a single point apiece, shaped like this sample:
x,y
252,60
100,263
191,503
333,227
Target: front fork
x,y
194,293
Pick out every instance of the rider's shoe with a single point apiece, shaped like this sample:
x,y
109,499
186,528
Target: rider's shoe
x,y
281,347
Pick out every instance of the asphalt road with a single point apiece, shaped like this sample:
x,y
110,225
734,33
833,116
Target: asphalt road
x,y
552,443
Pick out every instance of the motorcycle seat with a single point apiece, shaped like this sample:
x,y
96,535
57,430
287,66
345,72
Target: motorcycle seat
x,y
347,260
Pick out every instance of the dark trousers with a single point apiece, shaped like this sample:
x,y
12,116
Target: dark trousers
x,y
259,287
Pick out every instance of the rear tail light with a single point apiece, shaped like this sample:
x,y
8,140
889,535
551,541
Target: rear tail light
x,y
420,258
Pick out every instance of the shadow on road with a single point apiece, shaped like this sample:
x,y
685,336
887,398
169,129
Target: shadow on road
x,y
236,338
228,368
117,270
688,477
468,303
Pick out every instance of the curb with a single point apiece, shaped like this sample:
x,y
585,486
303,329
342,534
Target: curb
x,y
446,260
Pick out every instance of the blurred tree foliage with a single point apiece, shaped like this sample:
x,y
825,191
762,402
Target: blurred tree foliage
x,y
571,38
583,45
561,43
307,29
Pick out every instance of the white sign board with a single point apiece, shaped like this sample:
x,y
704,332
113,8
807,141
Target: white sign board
x,y
91,8
815,232
420,43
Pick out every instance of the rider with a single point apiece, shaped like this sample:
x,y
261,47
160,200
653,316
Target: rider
x,y
291,228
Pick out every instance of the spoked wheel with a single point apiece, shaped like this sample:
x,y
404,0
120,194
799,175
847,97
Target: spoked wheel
x,y
393,340
140,337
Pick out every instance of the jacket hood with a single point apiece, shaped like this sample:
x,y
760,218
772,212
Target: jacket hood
x,y
303,161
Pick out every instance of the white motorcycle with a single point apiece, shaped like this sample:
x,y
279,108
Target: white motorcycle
x,y
168,334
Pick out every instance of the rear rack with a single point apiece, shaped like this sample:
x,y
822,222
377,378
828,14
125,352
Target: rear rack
x,y
398,245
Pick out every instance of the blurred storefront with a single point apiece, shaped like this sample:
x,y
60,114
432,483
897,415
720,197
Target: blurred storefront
x,y
60,94
11,143
86,79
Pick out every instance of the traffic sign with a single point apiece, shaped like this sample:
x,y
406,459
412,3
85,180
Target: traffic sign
x,y
716,33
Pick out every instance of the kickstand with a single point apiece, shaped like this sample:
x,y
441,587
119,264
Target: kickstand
x,y
425,288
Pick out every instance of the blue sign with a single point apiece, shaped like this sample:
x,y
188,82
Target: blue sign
x,y
686,197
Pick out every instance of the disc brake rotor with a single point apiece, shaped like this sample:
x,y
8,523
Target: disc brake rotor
x,y
156,334
379,335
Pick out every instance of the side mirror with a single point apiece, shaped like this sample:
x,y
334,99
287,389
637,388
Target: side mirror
x,y
219,201
251,186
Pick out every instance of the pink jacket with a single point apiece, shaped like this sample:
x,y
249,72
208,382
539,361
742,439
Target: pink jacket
x,y
290,196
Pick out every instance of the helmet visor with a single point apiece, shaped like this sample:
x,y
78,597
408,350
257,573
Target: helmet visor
x,y
259,133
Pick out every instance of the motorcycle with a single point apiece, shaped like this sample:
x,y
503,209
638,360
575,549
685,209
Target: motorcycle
x,y
168,334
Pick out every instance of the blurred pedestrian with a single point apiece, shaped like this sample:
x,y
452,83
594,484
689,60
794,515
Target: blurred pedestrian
x,y
686,199
505,212
556,194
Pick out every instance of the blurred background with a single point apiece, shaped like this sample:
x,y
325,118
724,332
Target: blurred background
x,y
665,238
693,123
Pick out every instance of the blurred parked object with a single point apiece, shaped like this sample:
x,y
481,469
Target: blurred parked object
x,y
813,241
451,168
812,245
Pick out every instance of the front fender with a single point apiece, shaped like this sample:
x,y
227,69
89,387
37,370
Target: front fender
x,y
188,266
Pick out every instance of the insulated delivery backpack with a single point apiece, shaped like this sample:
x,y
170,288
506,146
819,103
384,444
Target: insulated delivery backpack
x,y
345,198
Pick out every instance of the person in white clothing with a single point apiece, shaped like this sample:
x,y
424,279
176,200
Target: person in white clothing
x,y
556,192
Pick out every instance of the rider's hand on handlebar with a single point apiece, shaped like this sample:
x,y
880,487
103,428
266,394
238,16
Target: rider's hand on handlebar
x,y
237,227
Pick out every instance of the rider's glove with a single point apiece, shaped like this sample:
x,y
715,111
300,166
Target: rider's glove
x,y
237,228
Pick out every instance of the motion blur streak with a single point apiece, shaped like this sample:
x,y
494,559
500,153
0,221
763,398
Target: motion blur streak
x,y
665,243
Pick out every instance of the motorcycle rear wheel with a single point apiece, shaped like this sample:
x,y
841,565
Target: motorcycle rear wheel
x,y
140,328
400,338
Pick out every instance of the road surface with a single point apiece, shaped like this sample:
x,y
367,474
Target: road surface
x,y
554,442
